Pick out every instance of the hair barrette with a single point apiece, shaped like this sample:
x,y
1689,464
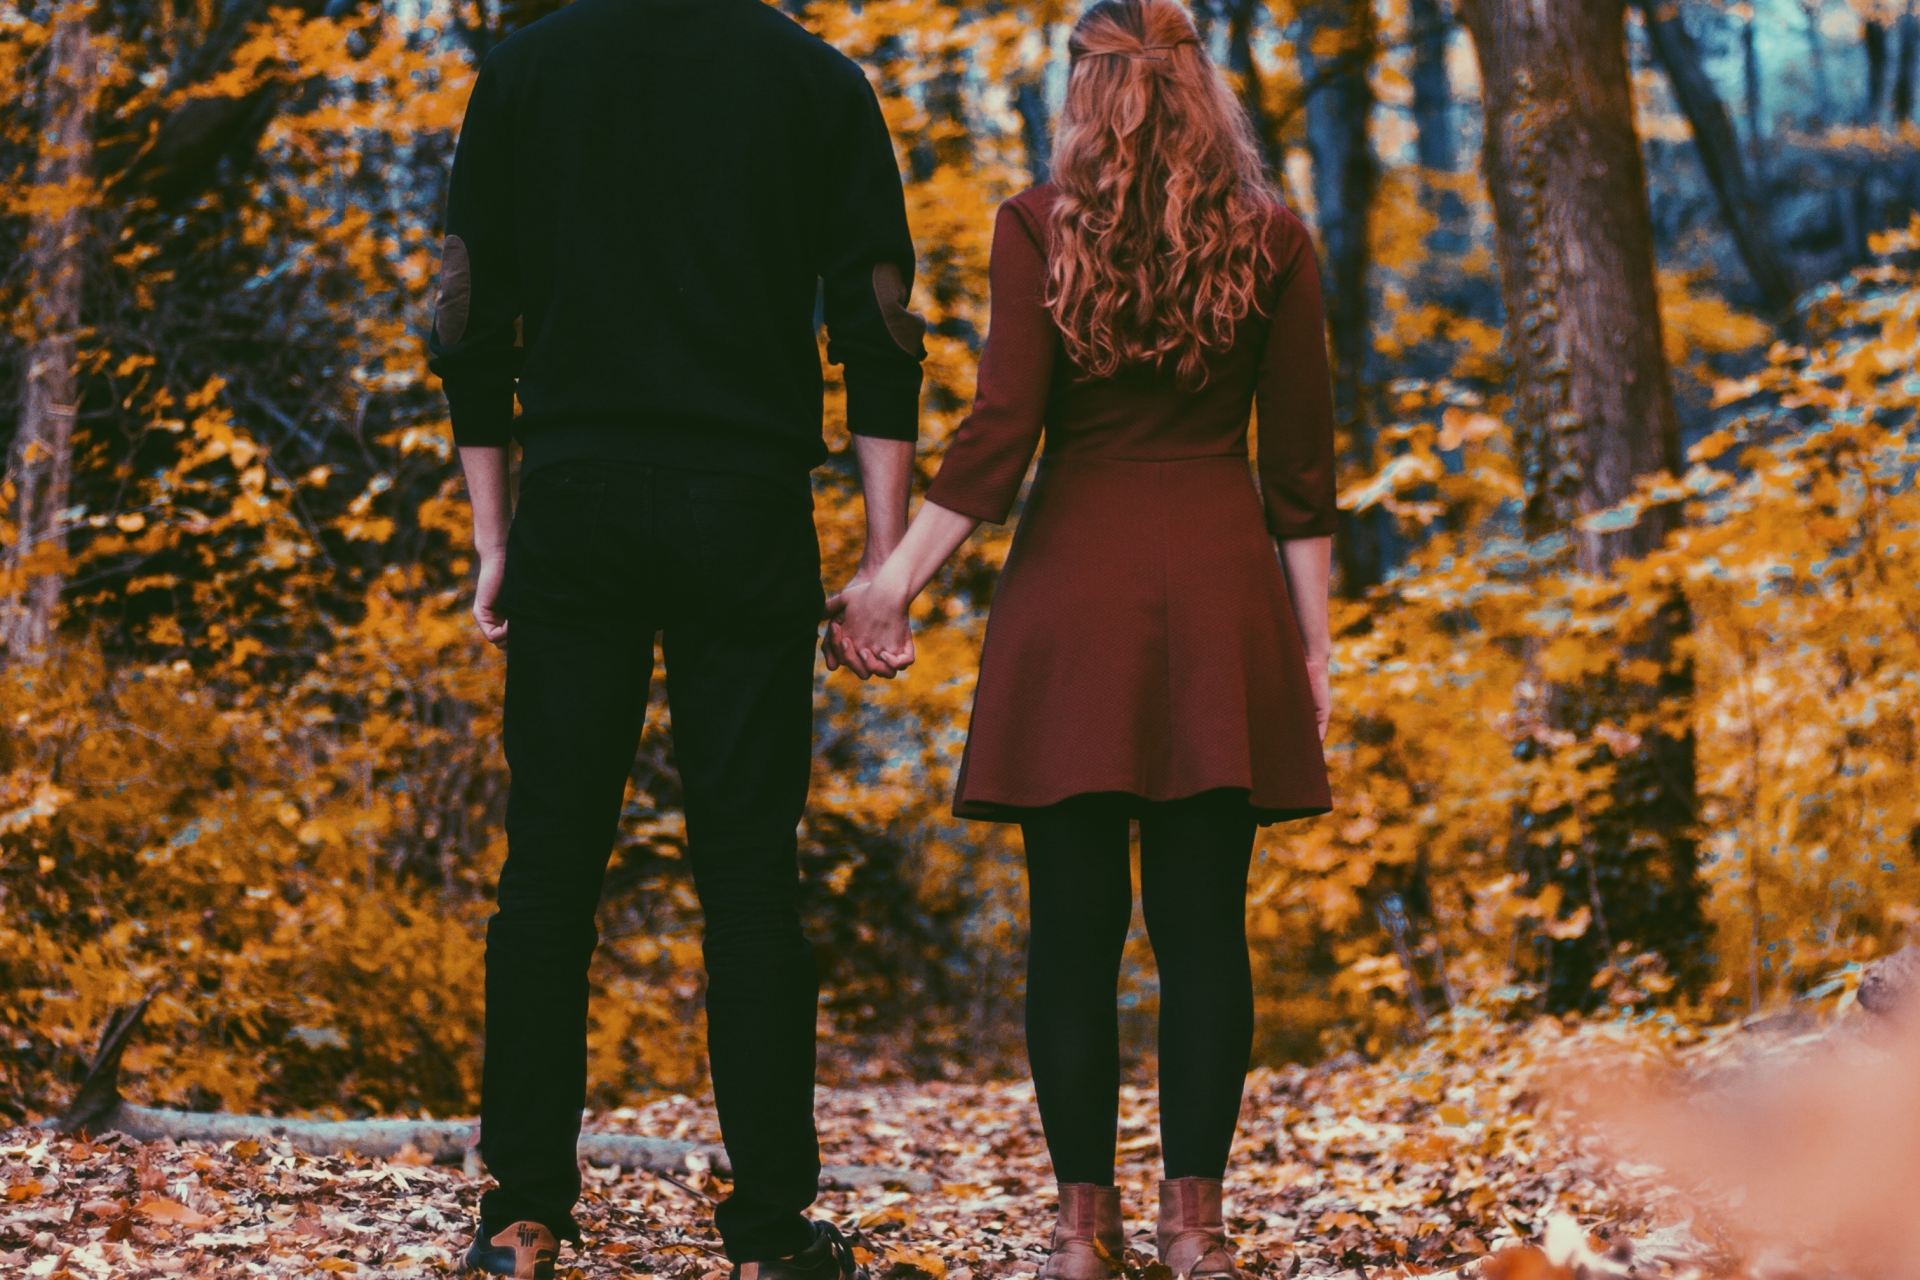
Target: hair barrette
x,y
1145,53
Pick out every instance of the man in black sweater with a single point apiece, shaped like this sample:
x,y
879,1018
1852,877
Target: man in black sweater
x,y
649,200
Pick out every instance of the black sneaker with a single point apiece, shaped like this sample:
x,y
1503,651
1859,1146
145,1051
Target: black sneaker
x,y
523,1250
829,1257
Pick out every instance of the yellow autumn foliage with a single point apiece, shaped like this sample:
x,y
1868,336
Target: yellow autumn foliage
x,y
261,771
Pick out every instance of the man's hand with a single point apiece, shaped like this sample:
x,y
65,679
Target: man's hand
x,y
486,474
886,468
493,626
868,629
833,641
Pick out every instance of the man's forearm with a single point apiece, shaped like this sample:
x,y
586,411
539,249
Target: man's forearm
x,y
486,471
886,471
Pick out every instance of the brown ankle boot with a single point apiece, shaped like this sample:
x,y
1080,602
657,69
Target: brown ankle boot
x,y
1088,1243
1192,1233
523,1250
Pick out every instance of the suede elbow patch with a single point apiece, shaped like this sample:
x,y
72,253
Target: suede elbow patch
x,y
890,291
456,291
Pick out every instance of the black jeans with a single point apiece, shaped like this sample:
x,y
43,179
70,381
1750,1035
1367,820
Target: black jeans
x,y
726,568
1194,857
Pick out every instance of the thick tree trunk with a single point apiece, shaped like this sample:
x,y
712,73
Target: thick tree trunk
x,y
1561,148
1719,150
40,462
1596,412
1435,135
1345,181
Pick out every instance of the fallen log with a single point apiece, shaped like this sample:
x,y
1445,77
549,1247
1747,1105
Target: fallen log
x,y
99,1108
447,1142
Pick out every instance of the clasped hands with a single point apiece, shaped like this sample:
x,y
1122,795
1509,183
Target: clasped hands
x,y
867,628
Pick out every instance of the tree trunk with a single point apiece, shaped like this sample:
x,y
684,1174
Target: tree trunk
x,y
1823,87
1253,93
1750,66
1434,132
946,139
1595,411
1030,101
40,463
1719,150
1036,130
1345,180
1903,69
1873,42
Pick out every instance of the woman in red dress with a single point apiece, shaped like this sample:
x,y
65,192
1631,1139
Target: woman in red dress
x,y
1148,655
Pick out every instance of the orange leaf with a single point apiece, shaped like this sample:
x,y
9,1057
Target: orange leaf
x,y
161,1209
1521,1262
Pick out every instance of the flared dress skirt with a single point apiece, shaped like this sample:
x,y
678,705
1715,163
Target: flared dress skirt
x,y
1142,641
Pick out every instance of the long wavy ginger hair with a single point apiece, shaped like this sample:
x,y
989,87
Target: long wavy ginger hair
x,y
1160,231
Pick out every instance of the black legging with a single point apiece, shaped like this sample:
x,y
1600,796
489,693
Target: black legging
x,y
1194,855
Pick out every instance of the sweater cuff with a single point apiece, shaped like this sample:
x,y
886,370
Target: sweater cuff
x,y
1284,528
482,414
883,403
970,500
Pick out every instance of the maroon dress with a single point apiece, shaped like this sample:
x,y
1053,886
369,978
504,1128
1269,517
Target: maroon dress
x,y
1142,639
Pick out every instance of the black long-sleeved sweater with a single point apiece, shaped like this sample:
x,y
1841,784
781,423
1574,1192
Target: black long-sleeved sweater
x,y
649,200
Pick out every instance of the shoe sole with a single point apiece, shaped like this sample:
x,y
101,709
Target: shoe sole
x,y
501,1261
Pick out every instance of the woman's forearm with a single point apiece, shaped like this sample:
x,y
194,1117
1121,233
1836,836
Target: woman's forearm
x,y
931,539
1309,564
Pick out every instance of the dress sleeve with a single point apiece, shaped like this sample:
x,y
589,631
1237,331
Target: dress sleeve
x,y
990,450
1294,396
471,346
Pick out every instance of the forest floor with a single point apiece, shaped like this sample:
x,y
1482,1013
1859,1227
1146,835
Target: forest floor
x,y
1444,1158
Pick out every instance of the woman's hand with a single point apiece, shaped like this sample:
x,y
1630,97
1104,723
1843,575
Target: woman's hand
x,y
868,626
830,639
1322,693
